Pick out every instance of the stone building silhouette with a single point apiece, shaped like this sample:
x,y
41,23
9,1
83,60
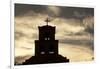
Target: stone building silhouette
x,y
46,48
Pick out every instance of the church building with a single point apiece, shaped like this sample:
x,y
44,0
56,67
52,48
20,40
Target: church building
x,y
46,48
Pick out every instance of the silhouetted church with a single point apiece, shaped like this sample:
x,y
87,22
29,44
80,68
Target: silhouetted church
x,y
46,48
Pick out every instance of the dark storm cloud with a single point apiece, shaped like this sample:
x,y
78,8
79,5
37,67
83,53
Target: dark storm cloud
x,y
89,43
21,9
89,30
77,42
76,12
66,12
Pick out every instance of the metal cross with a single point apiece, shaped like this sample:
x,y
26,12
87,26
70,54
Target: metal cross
x,y
47,20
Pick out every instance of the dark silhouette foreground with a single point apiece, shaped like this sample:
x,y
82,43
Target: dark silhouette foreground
x,y
46,59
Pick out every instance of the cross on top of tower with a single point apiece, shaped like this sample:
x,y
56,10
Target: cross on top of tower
x,y
47,20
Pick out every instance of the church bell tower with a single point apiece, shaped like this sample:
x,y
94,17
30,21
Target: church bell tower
x,y
46,45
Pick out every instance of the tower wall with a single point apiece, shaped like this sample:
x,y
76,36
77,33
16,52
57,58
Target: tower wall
x,y
46,32
46,44
46,47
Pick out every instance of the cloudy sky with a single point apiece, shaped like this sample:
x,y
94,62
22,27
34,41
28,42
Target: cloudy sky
x,y
74,29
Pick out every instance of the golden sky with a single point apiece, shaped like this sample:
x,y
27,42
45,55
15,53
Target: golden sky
x,y
74,30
